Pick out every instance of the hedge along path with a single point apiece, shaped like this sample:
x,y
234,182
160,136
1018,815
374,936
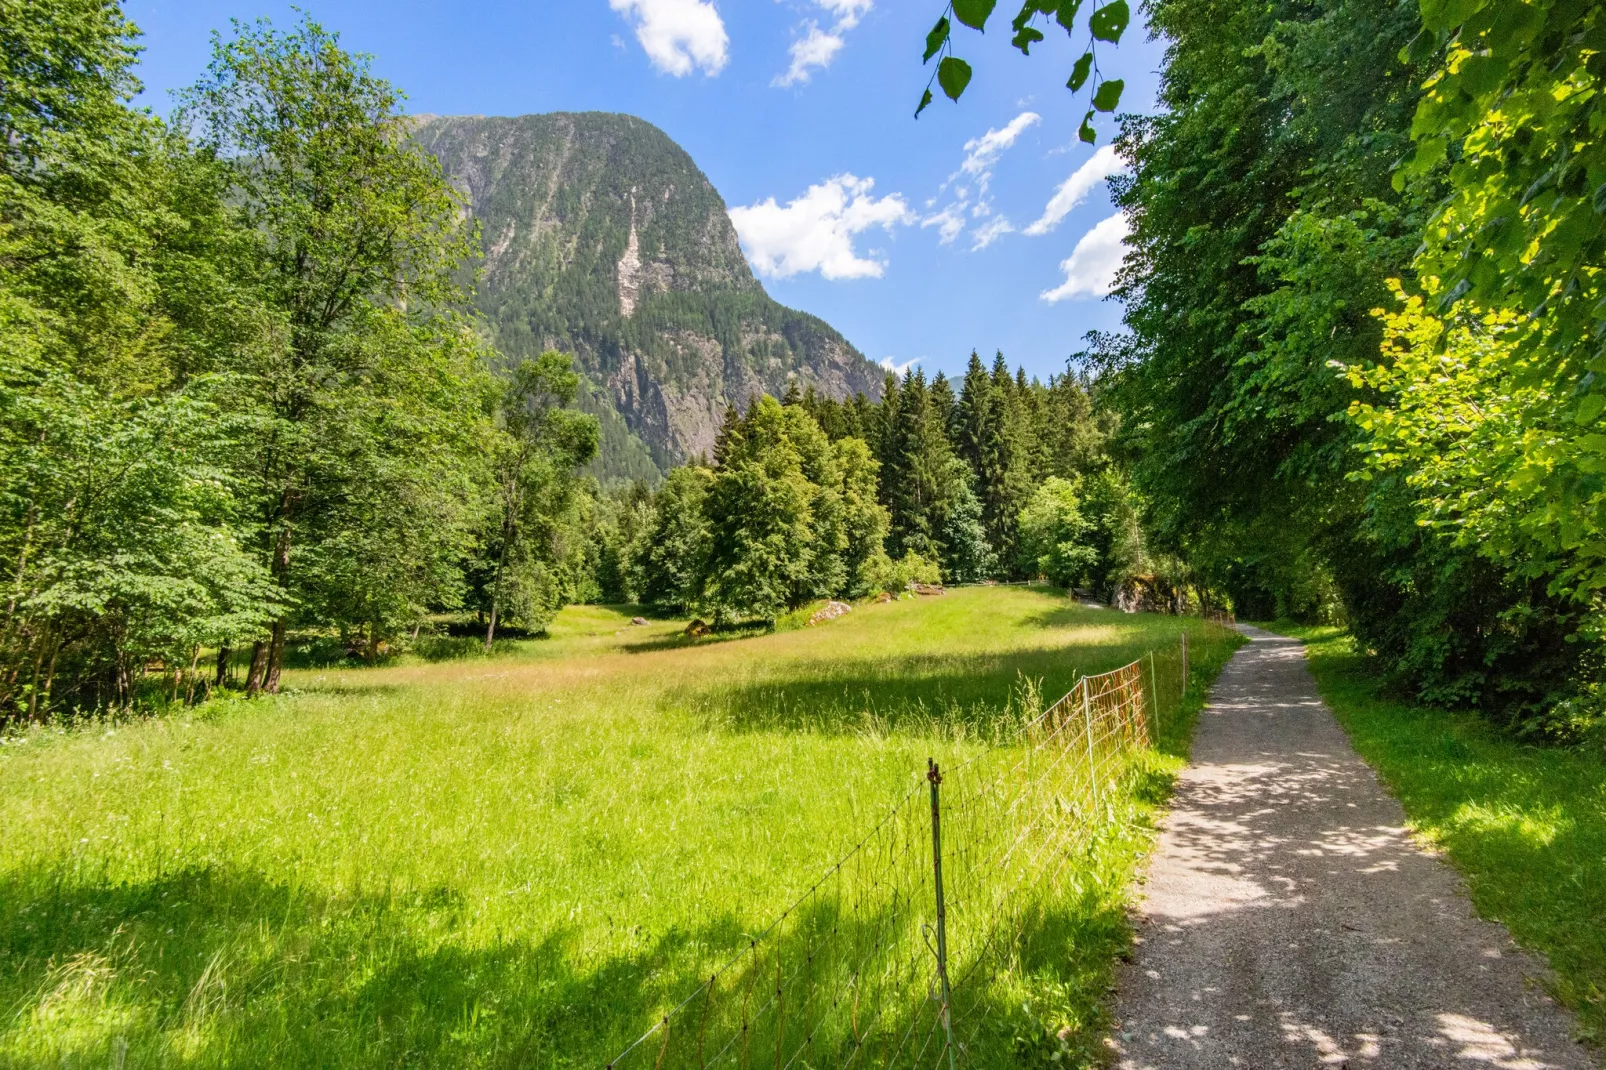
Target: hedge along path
x,y
1290,921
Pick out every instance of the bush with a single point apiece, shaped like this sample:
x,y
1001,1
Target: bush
x,y
894,577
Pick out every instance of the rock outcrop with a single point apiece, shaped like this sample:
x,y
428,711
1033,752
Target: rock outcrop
x,y
602,238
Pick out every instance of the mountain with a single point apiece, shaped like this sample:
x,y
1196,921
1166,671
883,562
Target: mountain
x,y
603,239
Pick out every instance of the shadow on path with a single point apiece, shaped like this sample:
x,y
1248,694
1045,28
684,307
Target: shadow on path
x,y
1289,921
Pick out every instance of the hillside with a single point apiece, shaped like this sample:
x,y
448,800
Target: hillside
x,y
603,238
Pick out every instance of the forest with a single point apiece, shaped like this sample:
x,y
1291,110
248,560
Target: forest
x,y
247,406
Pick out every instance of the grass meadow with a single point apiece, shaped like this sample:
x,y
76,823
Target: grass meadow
x,y
519,860
1525,824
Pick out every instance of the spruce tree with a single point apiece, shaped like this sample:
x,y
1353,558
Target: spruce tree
x,y
973,419
729,439
944,405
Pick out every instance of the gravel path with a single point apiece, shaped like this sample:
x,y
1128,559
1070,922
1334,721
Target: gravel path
x,y
1290,922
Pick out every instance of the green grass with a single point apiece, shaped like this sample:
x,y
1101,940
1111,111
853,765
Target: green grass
x,y
520,860
1525,824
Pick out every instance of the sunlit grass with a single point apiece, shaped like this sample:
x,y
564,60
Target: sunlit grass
x,y
1525,824
507,861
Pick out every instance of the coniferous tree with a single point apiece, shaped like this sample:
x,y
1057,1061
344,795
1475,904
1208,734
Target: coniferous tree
x,y
973,419
857,420
881,434
943,405
729,438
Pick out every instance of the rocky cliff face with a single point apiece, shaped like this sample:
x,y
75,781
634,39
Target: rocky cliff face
x,y
602,238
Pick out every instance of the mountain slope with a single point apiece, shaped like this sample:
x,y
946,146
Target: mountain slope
x,y
602,238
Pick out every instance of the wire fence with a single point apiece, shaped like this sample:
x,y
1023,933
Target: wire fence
x,y
904,949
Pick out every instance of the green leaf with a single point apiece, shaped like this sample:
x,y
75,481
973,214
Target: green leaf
x,y
1589,409
1512,24
1086,131
925,99
1032,8
973,13
1448,14
1421,48
1025,38
953,74
1080,72
934,39
1482,74
1109,94
1110,21
1065,13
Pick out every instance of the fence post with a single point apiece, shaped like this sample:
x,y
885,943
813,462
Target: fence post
x,y
934,775
1092,765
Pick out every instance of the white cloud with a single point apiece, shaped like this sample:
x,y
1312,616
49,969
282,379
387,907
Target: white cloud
x,y
678,35
814,49
815,232
982,152
817,48
1074,190
900,370
847,12
976,172
990,232
950,222
1091,267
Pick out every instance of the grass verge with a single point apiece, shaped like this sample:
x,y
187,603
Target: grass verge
x,y
1524,824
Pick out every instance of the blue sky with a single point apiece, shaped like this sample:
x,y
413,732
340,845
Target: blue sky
x,y
917,239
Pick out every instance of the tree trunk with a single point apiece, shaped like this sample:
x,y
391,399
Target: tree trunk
x,y
33,685
195,661
50,673
270,683
281,568
222,675
259,668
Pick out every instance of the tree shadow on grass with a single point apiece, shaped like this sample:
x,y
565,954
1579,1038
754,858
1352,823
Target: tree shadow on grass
x,y
215,967
969,692
228,967
680,640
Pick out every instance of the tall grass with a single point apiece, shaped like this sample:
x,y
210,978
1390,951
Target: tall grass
x,y
519,860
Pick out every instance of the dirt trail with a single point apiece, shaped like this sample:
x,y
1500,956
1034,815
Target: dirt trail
x,y
1290,922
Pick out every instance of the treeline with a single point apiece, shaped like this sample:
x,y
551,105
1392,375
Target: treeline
x,y
808,497
237,393
1366,322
